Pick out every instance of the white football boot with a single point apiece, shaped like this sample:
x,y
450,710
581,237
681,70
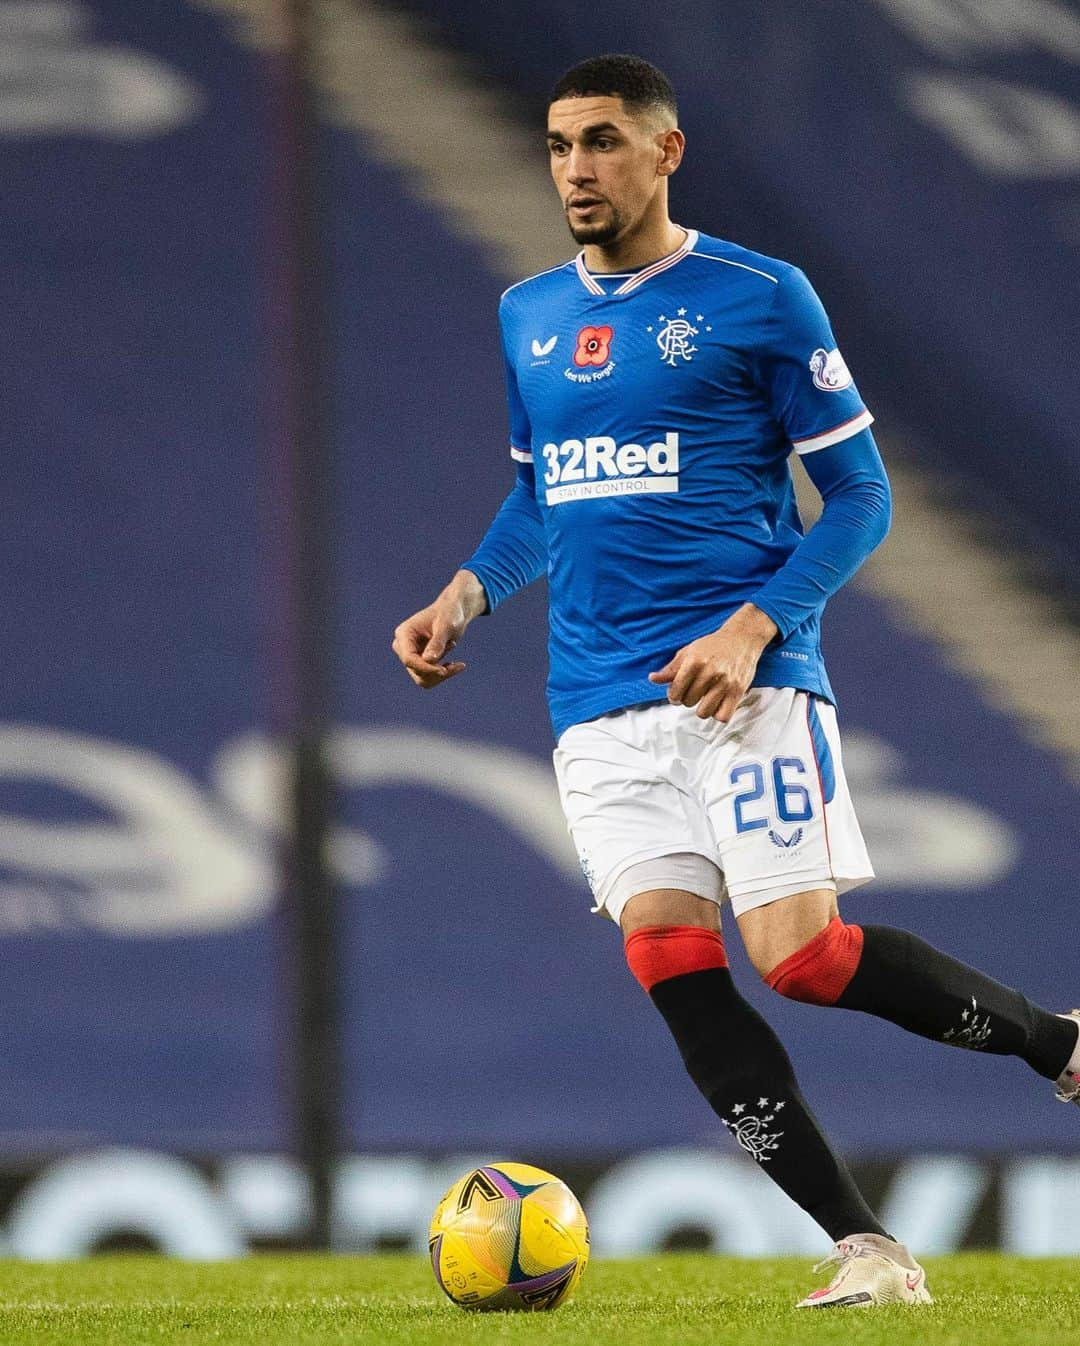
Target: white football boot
x,y
871,1270
1068,1083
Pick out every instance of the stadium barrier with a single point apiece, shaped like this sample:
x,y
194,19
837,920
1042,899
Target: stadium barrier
x,y
649,1202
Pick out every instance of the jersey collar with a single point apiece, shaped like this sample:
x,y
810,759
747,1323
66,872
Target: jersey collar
x,y
639,277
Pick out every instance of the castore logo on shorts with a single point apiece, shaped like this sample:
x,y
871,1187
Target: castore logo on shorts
x,y
596,467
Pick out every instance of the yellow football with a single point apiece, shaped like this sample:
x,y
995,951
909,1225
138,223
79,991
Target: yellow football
x,y
509,1236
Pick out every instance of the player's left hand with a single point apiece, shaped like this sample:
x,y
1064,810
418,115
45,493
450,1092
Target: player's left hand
x,y
715,671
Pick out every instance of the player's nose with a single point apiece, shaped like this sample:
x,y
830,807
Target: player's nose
x,y
578,168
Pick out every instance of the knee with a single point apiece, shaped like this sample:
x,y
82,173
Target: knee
x,y
819,972
656,953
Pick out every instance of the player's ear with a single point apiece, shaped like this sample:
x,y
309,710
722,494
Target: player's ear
x,y
670,145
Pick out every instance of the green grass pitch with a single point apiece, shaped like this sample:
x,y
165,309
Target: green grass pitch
x,y
670,1300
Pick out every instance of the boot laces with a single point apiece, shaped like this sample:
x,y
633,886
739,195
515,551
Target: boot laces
x,y
842,1252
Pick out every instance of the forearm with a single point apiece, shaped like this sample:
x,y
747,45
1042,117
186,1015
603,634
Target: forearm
x,y
513,551
467,592
855,519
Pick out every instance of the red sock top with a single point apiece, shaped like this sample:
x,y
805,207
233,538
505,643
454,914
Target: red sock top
x,y
658,952
818,973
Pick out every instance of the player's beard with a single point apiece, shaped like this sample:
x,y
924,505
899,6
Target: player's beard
x,y
601,232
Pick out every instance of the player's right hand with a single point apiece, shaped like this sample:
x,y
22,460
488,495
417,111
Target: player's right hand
x,y
422,640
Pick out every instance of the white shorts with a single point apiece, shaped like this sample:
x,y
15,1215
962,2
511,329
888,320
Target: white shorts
x,y
753,810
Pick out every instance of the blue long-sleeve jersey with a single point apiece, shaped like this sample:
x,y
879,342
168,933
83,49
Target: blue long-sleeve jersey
x,y
652,417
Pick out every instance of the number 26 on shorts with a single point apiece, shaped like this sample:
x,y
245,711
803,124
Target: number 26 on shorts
x,y
789,797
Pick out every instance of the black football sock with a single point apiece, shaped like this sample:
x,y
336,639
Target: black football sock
x,y
902,978
741,1067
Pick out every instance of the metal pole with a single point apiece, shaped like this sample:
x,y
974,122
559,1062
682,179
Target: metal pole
x,y
300,393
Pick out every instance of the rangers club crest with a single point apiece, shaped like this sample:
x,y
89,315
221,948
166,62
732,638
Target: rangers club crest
x,y
973,1031
751,1130
676,337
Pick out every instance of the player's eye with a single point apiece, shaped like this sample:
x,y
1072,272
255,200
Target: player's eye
x,y
557,147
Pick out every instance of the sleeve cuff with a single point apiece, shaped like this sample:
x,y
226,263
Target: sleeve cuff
x,y
478,572
765,605
834,436
520,455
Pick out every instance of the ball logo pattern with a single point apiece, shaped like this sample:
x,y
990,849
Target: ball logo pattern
x,y
509,1236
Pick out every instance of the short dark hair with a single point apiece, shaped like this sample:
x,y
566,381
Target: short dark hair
x,y
637,82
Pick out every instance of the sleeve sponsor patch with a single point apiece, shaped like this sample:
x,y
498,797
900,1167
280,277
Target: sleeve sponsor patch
x,y
829,371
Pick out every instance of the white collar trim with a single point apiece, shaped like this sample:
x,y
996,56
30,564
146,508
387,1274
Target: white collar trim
x,y
639,277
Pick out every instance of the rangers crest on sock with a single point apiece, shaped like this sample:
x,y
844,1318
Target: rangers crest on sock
x,y
752,1130
973,1032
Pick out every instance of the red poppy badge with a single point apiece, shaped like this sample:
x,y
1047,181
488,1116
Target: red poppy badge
x,y
593,346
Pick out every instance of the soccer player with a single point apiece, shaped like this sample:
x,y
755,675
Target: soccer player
x,y
657,385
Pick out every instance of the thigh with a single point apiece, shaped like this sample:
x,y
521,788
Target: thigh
x,y
625,810
668,906
778,803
